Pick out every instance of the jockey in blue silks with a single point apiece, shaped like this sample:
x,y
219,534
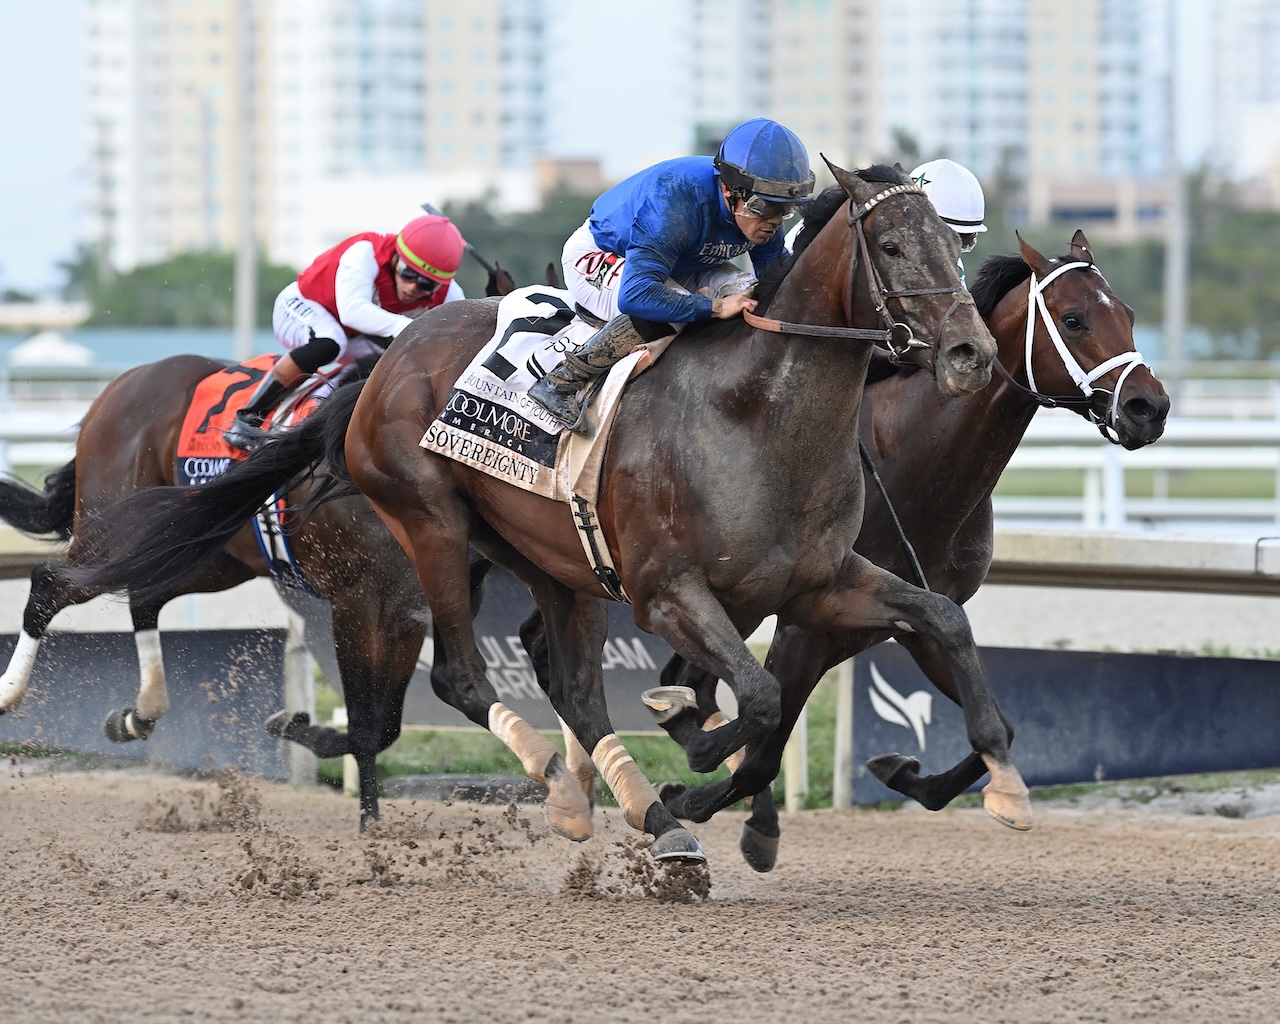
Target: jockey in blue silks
x,y
654,253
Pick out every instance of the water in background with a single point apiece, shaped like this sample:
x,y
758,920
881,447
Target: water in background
x,y
118,348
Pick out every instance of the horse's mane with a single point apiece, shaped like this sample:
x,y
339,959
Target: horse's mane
x,y
999,275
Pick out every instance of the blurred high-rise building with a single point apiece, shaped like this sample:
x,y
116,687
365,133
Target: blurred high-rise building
x,y
356,112
164,120
1245,98
349,113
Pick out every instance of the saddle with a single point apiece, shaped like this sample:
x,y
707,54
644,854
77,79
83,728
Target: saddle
x,y
202,454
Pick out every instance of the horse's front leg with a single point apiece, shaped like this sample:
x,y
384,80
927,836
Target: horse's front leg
x,y
533,635
576,628
687,616
863,596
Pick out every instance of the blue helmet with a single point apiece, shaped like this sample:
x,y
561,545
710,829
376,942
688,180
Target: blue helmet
x,y
762,158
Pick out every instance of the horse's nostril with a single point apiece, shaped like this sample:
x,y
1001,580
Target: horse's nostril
x,y
965,355
1141,410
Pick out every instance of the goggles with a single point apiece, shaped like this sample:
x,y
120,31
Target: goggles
x,y
968,243
425,284
758,206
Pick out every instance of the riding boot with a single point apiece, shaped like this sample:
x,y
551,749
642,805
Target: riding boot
x,y
244,432
561,391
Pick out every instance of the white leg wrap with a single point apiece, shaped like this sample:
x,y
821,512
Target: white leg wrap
x,y
153,694
635,794
578,759
534,750
13,684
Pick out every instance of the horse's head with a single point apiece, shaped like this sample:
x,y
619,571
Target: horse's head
x,y
1079,352
910,261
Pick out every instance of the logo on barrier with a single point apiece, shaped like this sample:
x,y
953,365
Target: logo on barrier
x,y
912,712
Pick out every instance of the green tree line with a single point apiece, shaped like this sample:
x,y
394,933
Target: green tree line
x,y
1234,289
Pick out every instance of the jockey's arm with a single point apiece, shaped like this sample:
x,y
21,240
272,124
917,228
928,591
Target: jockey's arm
x,y
354,291
661,235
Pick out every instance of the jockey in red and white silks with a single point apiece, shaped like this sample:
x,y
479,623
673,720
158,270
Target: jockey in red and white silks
x,y
352,301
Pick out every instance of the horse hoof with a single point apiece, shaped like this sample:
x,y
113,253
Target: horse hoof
x,y
668,702
281,722
125,725
567,808
887,767
758,850
679,844
1011,809
670,790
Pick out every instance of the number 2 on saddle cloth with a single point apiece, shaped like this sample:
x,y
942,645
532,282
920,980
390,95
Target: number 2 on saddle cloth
x,y
202,454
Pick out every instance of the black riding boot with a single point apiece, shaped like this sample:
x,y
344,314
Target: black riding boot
x,y
243,432
561,391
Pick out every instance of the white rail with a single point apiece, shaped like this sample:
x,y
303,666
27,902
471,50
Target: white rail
x,y
1062,441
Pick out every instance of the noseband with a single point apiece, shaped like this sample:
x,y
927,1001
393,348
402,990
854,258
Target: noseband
x,y
1085,404
897,336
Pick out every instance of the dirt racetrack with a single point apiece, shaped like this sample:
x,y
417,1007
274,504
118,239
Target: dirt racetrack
x,y
139,896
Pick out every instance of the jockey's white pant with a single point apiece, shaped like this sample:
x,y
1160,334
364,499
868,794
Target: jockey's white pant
x,y
594,277
293,318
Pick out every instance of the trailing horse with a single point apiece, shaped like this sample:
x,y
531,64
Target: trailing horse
x,y
729,493
1064,340
127,443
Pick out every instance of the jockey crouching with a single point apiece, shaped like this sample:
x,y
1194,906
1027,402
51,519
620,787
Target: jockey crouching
x,y
352,301
654,254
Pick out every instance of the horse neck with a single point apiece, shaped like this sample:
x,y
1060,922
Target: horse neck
x,y
819,376
942,456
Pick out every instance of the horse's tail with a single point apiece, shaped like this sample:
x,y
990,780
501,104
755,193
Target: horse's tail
x,y
158,537
47,513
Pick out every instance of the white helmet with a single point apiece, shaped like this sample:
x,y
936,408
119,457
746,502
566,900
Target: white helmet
x,y
955,194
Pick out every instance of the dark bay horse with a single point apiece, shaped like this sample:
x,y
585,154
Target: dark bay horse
x,y
939,460
729,493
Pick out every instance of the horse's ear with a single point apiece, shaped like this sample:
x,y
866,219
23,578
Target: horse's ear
x,y
553,276
847,180
1080,247
1032,258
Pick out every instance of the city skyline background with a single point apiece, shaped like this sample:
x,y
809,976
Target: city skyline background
x,y
124,124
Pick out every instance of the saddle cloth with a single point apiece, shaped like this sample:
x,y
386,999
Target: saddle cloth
x,y
202,455
489,422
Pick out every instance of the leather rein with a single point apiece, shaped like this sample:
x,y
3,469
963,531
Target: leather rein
x,y
897,336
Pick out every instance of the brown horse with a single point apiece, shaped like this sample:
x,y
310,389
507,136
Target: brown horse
x,y
127,443
729,493
939,460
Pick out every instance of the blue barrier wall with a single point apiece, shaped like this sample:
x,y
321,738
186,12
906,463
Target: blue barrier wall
x,y
632,661
1077,716
222,685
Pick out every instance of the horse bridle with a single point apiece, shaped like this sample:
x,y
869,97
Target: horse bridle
x,y
1084,404
897,336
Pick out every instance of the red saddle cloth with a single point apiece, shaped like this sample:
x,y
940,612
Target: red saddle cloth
x,y
202,453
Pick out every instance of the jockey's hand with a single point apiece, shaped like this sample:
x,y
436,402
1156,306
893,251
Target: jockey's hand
x,y
732,305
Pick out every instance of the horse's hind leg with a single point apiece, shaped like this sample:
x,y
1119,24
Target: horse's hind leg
x,y
865,596
152,703
48,596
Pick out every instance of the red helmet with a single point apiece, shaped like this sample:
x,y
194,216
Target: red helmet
x,y
432,246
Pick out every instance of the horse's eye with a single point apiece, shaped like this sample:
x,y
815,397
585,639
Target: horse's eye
x,y
1072,322
890,249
